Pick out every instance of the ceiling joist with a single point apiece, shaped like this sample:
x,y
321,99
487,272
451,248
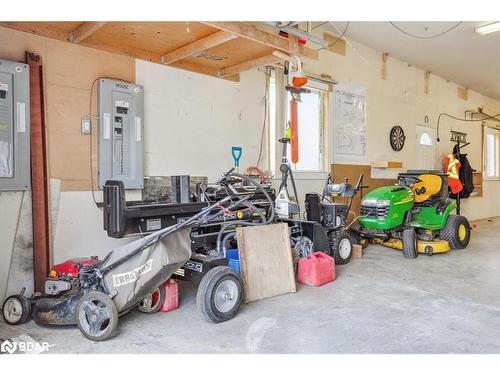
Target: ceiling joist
x,y
83,31
247,31
197,46
251,64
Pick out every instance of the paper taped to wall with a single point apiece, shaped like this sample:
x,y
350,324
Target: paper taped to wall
x,y
350,121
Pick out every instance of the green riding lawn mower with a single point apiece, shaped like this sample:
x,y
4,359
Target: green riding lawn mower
x,y
415,216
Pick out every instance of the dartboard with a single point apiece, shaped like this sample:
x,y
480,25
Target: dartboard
x,y
397,138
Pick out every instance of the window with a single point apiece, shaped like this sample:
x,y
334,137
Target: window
x,y
312,126
311,123
491,153
426,139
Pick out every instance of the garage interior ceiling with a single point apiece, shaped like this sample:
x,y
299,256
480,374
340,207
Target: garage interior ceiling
x,y
220,49
461,55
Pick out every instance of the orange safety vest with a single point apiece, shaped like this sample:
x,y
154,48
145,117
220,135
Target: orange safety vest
x,y
451,166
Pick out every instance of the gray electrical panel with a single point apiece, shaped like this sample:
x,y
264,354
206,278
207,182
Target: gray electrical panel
x,y
14,126
121,124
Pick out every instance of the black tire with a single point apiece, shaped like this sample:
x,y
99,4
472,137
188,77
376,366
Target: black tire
x,y
212,305
340,246
410,246
92,305
16,309
451,231
154,301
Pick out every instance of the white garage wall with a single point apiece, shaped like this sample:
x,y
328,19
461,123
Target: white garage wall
x,y
191,122
400,100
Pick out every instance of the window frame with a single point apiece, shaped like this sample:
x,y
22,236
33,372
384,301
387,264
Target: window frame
x,y
281,115
496,158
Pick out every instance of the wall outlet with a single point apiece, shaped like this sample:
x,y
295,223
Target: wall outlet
x,y
86,126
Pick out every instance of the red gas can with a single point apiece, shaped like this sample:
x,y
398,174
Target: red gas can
x,y
317,269
171,296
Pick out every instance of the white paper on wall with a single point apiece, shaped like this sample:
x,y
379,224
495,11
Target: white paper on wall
x,y
350,122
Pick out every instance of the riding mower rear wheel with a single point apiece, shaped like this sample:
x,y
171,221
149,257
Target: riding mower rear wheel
x,y
456,232
409,241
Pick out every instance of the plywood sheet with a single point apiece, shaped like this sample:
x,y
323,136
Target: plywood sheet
x,y
266,261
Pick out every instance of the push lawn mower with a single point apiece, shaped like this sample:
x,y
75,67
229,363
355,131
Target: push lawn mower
x,y
415,216
93,293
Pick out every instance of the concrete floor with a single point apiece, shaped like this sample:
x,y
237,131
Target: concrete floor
x,y
382,303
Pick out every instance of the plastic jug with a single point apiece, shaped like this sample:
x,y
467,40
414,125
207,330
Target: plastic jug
x,y
171,296
317,269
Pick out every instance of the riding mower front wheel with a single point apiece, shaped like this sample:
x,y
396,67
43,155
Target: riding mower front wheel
x,y
456,231
409,242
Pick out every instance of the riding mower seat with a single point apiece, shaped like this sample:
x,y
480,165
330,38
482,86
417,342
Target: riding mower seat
x,y
429,190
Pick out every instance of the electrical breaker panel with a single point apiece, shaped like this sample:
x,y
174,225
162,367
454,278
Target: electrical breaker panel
x,y
121,146
14,126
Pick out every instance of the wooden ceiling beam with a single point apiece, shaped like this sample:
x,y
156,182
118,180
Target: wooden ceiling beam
x,y
251,64
83,31
251,32
197,46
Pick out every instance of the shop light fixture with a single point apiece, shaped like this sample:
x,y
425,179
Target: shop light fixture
x,y
489,28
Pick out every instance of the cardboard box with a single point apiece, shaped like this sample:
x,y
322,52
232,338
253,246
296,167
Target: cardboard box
x,y
357,252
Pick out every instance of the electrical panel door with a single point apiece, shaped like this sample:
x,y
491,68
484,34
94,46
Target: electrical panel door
x,y
121,112
14,126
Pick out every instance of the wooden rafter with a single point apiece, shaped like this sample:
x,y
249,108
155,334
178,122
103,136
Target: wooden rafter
x,y
247,31
247,65
83,31
198,46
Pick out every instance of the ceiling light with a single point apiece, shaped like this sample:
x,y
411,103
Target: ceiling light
x,y
489,28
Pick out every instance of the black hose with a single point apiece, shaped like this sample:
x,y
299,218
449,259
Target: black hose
x,y
258,186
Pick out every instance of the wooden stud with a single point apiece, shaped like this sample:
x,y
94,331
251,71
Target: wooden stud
x,y
462,93
308,52
198,46
427,76
336,45
247,65
384,65
83,31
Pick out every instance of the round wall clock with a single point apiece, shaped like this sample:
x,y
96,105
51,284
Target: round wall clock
x,y
397,138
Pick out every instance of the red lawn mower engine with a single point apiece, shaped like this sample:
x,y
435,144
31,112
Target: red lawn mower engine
x,y
64,276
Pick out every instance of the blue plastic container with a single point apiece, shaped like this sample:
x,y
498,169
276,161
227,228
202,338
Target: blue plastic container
x,y
234,259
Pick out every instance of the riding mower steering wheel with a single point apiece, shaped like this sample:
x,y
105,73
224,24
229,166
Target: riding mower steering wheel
x,y
409,181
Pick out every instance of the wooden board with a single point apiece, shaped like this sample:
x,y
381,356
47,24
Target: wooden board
x,y
352,171
386,164
266,261
336,45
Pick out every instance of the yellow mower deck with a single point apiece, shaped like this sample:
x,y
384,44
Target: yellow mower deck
x,y
424,247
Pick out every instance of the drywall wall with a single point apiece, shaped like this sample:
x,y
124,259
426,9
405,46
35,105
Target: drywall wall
x,y
400,100
192,121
